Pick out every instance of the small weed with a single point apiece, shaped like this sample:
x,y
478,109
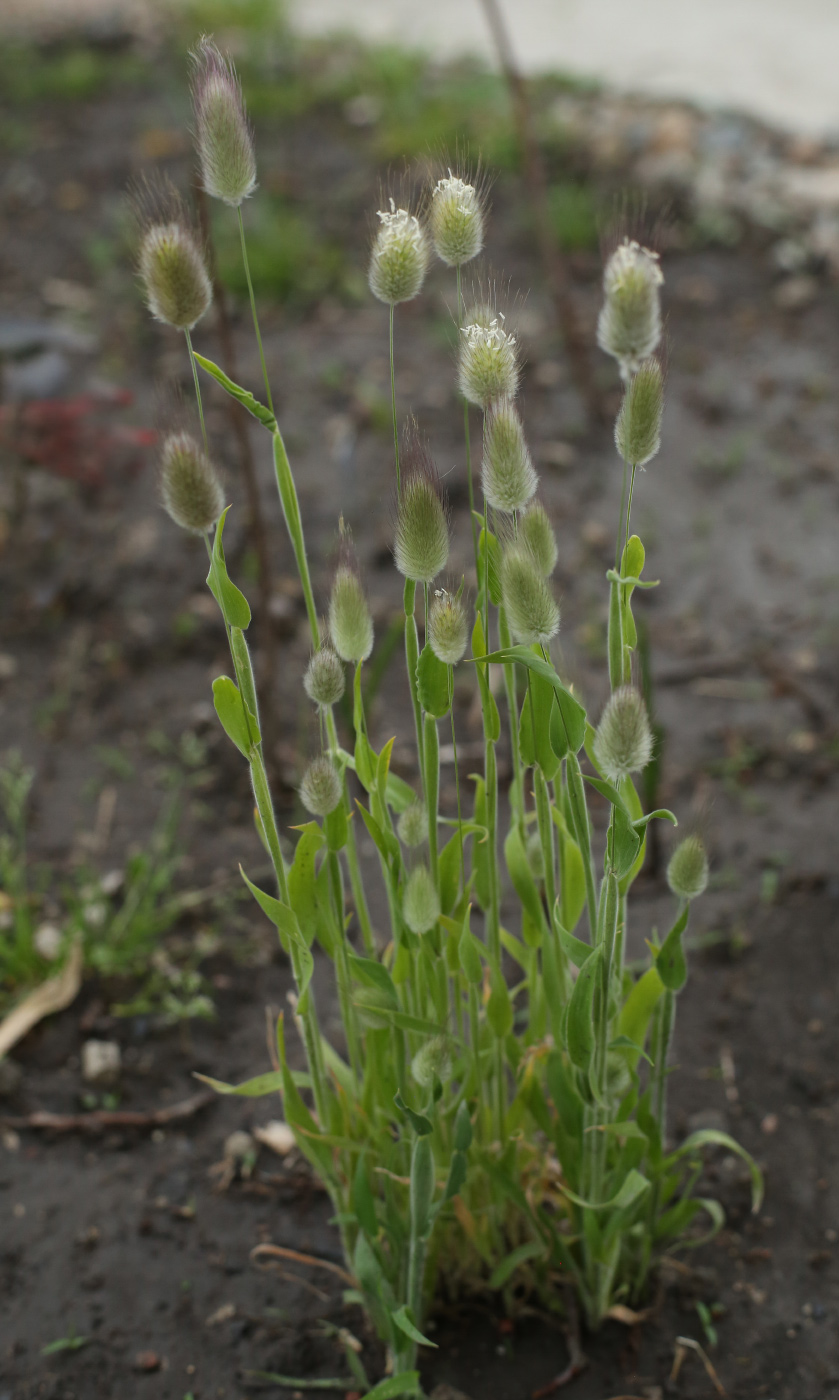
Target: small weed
x,y
71,1342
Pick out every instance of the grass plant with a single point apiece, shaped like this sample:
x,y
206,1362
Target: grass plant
x,y
496,1115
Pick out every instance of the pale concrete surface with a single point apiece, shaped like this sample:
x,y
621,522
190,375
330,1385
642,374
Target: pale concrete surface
x,y
776,59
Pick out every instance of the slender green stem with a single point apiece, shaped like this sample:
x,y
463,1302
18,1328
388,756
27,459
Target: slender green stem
x,y
431,755
253,309
469,482
582,835
411,659
456,775
510,686
393,409
197,390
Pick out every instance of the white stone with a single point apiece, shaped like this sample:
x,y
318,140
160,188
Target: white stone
x,y
101,1062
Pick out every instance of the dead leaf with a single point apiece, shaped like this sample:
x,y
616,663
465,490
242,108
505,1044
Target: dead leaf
x,y
628,1316
53,995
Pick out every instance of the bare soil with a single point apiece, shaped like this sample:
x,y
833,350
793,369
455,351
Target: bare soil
x,y
127,1238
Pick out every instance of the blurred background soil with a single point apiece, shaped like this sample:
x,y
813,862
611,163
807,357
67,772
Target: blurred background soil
x,y
136,1241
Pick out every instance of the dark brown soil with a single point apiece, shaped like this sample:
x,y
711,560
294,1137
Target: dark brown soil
x,y
126,1238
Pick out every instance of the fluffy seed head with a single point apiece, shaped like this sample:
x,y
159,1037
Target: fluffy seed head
x,y
413,824
532,610
623,743
399,260
174,272
508,475
638,426
432,1061
421,540
629,325
537,537
488,367
350,623
189,484
447,627
320,790
324,678
457,220
687,873
222,131
420,901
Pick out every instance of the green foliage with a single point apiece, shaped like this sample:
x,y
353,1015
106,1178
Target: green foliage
x,y
290,259
574,216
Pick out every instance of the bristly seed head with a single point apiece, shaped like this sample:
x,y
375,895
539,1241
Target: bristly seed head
x,y
623,742
222,131
457,220
433,1061
173,270
638,426
350,623
532,610
420,901
412,826
537,536
399,260
687,873
324,678
508,475
629,325
421,540
488,367
189,484
447,627
320,790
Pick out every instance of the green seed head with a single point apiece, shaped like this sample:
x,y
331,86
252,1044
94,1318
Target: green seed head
x,y
421,542
629,326
638,426
223,134
320,790
687,873
507,473
535,855
174,275
324,678
420,901
189,484
350,623
413,825
488,367
399,260
457,221
623,743
537,537
447,627
433,1061
532,610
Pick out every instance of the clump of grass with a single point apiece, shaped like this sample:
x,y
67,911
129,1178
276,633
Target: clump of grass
x,y
471,1133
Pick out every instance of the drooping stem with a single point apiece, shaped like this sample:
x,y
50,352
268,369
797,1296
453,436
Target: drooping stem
x,y
253,310
197,390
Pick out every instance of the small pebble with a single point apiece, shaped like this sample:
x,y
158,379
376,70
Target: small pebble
x,y
101,1062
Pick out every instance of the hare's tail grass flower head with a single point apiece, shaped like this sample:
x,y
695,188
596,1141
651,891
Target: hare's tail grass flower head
x,y
421,536
537,537
433,1061
638,426
447,628
629,326
532,611
350,623
412,826
321,789
488,368
189,484
399,257
456,218
223,134
420,901
623,741
508,476
687,872
324,679
171,260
